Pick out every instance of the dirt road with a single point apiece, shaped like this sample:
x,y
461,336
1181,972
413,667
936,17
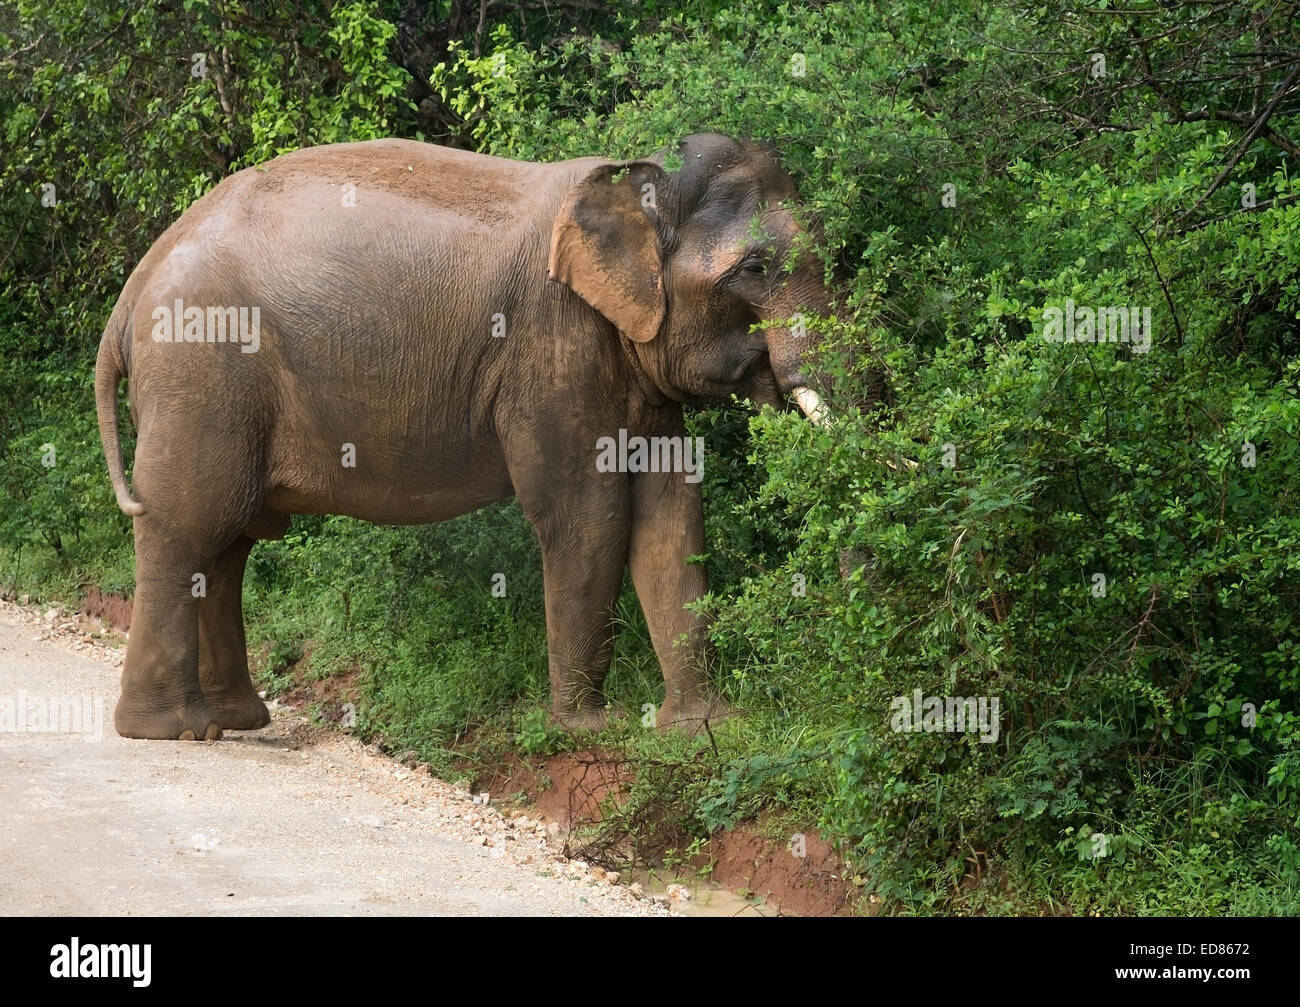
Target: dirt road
x,y
288,820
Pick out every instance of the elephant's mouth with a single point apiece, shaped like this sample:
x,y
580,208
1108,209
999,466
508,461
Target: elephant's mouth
x,y
809,402
759,376
757,380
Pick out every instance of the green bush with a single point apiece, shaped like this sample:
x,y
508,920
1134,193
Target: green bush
x,y
1039,465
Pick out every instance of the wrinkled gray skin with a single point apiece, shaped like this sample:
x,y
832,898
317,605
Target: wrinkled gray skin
x,y
376,331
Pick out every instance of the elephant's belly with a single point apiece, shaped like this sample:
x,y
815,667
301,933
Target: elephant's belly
x,y
416,508
390,496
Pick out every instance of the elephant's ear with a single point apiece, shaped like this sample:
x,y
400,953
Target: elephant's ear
x,y
605,248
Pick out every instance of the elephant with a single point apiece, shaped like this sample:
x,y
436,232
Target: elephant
x,y
403,333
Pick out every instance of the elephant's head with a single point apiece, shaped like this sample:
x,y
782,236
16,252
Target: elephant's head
x,y
684,263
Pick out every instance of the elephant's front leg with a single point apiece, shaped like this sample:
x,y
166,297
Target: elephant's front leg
x,y
667,527
584,553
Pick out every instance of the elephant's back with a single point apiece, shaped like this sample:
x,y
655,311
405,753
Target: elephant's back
x,y
403,176
393,282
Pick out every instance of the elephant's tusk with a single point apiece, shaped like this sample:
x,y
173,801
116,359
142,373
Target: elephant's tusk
x,y
817,412
812,405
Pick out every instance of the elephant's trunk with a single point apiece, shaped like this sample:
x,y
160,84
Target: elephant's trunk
x,y
803,297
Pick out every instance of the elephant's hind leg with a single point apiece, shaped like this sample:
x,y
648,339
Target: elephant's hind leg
x,y
161,697
190,553
223,655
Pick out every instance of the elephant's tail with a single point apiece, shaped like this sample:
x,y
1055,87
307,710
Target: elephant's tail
x,y
110,369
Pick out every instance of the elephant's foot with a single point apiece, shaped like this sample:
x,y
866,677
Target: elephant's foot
x,y
690,714
192,722
584,718
240,711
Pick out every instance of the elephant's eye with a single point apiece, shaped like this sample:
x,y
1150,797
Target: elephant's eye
x,y
754,265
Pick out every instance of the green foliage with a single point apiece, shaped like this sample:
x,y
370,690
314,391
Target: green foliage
x,y
413,609
536,735
1071,459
